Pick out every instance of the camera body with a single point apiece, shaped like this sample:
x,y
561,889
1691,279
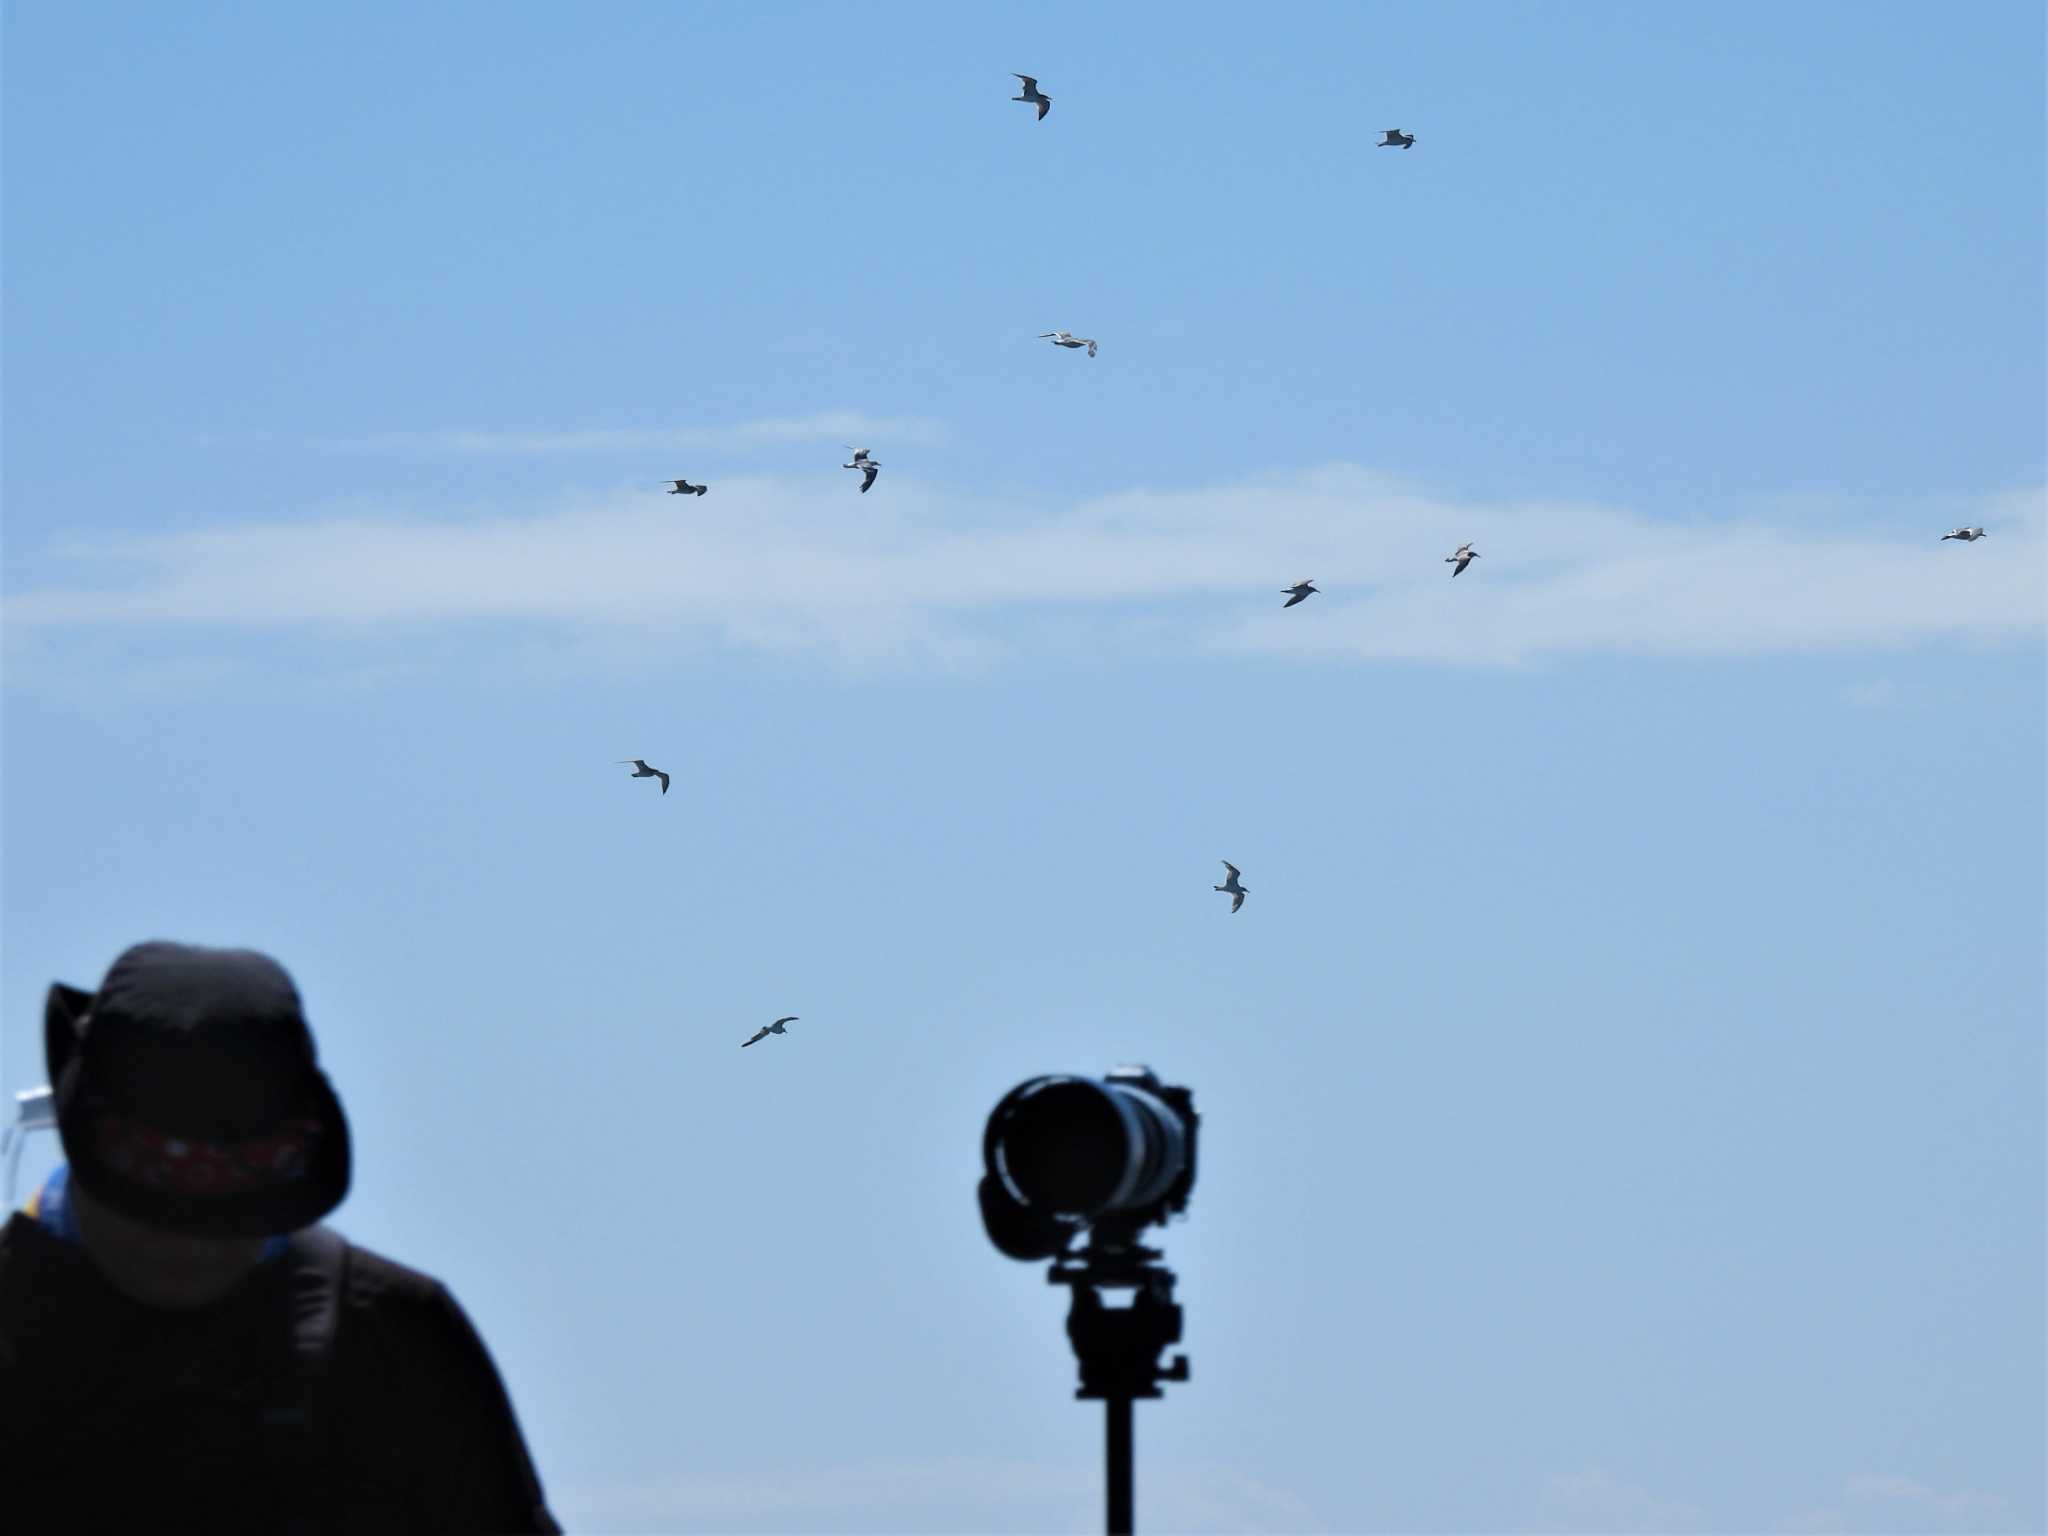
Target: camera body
x,y
1065,1155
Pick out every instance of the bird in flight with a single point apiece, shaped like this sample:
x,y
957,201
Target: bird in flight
x,y
1967,535
1236,891
868,467
1063,339
769,1029
1465,555
1033,94
684,488
1299,593
1396,139
642,771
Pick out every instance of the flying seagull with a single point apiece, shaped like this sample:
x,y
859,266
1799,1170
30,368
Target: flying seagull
x,y
1032,94
1465,556
642,771
1396,139
1298,593
1967,535
684,488
1236,891
868,467
769,1029
1065,339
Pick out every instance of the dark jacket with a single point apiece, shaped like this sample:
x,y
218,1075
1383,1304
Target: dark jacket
x,y
376,1409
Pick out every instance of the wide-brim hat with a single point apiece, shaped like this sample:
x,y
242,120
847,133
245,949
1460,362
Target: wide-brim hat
x,y
189,1096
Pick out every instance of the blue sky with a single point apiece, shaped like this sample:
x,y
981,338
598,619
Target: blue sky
x,y
1623,1088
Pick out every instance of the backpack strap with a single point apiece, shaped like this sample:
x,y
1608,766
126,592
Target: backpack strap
x,y
295,1421
319,1260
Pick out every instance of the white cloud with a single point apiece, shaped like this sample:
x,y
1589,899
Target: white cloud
x,y
1594,1501
732,439
920,575
855,427
1878,693
1874,1505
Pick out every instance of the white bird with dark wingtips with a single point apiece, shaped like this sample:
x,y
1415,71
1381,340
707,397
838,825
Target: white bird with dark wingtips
x,y
1064,339
1236,891
684,488
868,467
1396,139
1465,555
1299,593
642,771
1967,535
769,1029
1034,95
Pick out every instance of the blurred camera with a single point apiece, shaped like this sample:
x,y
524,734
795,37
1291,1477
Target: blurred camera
x,y
1066,1155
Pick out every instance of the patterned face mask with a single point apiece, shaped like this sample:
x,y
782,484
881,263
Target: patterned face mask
x,y
193,1165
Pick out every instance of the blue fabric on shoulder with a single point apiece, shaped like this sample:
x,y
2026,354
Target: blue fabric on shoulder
x,y
51,1205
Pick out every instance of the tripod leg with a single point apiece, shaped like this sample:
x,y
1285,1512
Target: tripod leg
x,y
1120,1516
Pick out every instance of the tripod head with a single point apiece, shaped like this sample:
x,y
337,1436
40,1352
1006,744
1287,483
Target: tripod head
x,y
1118,1347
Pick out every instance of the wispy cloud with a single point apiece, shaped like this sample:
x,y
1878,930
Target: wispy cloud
x,y
1596,1501
963,1493
1888,1503
919,574
1878,693
736,438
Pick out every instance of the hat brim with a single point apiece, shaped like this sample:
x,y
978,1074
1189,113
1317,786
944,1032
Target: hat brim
x,y
268,1210
63,1011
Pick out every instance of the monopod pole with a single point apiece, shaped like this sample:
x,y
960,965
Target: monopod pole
x,y
1120,1515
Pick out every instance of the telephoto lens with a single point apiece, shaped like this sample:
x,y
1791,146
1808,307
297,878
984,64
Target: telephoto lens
x,y
1064,1153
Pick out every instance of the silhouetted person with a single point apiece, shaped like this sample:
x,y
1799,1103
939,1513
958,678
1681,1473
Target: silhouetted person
x,y
181,1349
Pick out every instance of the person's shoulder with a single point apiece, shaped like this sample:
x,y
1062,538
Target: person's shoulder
x,y
22,1230
408,1312
34,1258
372,1277
396,1296
411,1368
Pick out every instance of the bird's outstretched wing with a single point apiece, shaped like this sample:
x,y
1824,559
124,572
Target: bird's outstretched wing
x,y
759,1034
1030,85
1231,867
1091,349
1295,597
1044,106
787,1019
664,780
868,478
635,762
1237,901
